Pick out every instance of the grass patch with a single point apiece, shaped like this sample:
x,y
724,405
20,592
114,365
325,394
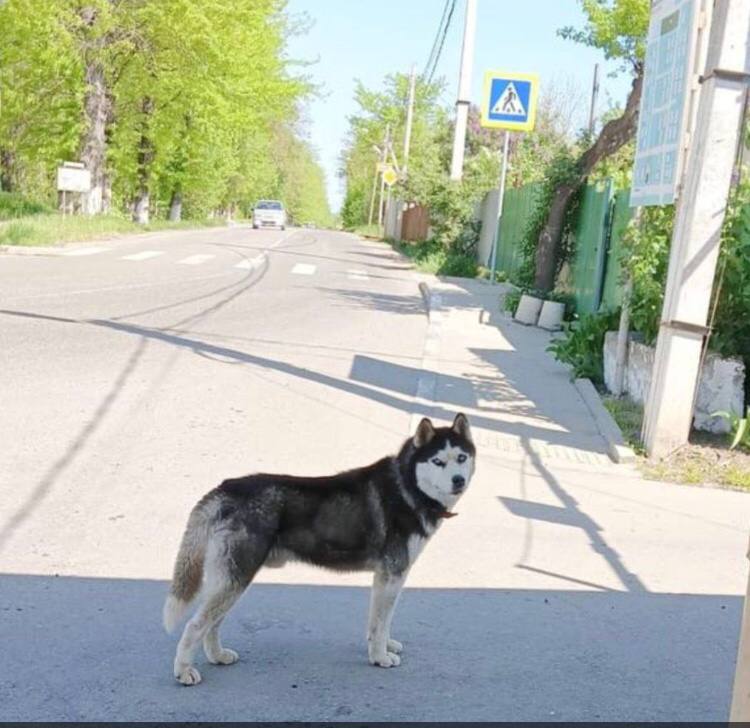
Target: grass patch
x,y
369,231
13,205
629,416
50,229
706,459
431,257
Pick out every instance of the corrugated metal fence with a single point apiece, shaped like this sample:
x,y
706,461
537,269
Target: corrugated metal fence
x,y
593,277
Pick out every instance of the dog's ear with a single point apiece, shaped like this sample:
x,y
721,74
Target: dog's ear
x,y
425,432
461,426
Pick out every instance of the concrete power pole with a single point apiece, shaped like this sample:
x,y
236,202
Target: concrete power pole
x,y
697,230
464,90
409,118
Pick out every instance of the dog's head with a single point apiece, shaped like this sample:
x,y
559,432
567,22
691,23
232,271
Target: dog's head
x,y
444,459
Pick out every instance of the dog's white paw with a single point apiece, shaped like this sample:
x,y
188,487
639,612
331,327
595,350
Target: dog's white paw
x,y
187,675
395,646
225,657
389,659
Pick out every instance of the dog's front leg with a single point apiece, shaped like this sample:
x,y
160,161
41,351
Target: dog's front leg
x,y
385,590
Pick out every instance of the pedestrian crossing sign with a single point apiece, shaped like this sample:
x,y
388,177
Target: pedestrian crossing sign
x,y
509,100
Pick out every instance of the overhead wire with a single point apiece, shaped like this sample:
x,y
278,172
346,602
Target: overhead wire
x,y
439,42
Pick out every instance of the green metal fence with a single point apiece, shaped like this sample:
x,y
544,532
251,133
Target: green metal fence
x,y
593,277
517,208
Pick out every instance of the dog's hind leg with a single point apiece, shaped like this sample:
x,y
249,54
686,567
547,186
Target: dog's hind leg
x,y
230,568
215,653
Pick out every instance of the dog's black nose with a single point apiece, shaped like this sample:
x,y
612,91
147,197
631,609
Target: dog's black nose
x,y
459,481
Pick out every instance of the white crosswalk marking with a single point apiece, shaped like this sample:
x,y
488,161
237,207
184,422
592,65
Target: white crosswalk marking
x,y
251,263
196,259
144,255
304,269
357,275
85,251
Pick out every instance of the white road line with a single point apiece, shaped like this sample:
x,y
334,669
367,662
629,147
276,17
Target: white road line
x,y
196,259
304,269
252,263
85,251
357,275
145,255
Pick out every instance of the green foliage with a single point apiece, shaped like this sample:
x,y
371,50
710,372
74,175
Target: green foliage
x,y
731,335
740,428
562,170
204,103
645,257
432,257
511,300
582,345
617,27
14,205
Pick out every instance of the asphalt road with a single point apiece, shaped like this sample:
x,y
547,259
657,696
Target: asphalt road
x,y
135,375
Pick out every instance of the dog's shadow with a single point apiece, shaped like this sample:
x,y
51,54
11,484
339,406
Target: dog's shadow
x,y
93,649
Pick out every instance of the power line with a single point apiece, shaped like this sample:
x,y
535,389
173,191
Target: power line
x,y
435,42
442,40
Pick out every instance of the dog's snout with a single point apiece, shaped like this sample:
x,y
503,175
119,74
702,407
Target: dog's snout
x,y
459,481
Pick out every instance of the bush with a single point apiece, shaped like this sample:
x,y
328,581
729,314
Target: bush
x,y
511,300
13,205
431,257
582,344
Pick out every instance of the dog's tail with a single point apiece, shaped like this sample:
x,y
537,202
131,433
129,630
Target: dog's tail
x,y
188,568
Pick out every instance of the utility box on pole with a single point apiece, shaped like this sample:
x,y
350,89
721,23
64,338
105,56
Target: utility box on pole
x,y
697,230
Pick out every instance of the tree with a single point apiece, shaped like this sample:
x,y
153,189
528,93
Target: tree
x,y
377,111
618,27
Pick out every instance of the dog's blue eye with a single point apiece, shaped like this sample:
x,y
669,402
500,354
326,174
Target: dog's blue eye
x,y
461,458
438,461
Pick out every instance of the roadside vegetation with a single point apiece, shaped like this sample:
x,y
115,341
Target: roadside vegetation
x,y
707,459
179,111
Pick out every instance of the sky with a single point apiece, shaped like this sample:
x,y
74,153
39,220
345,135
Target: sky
x,y
359,39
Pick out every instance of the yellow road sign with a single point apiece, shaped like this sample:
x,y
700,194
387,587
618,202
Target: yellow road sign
x,y
390,177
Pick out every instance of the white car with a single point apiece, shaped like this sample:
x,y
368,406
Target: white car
x,y
269,213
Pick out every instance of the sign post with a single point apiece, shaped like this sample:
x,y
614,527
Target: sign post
x,y
72,177
508,102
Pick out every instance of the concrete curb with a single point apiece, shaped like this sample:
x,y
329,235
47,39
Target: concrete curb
x,y
605,423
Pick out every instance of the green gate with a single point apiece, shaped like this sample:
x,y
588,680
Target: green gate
x,y
591,239
622,213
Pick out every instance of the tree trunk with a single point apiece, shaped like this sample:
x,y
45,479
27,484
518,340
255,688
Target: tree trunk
x,y
145,158
7,164
97,106
175,207
613,135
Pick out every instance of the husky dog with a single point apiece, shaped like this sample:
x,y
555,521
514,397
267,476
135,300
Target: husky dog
x,y
377,518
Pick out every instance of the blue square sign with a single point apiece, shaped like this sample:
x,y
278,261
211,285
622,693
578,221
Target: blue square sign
x,y
509,101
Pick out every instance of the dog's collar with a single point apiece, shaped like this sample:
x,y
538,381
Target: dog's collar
x,y
447,514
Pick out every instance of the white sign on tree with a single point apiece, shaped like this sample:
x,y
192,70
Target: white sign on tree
x,y
668,100
73,177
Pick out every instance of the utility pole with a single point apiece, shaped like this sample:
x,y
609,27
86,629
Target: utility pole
x,y
594,95
697,231
409,117
386,148
464,91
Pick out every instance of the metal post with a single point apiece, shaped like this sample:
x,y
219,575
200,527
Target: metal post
x,y
464,91
697,231
503,171
594,94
